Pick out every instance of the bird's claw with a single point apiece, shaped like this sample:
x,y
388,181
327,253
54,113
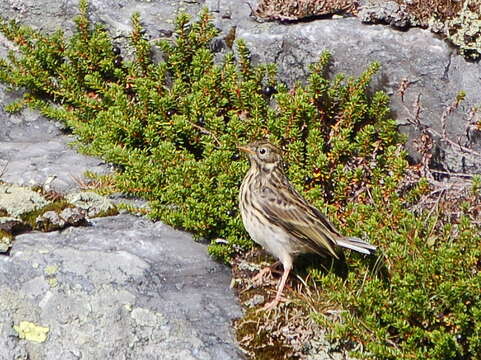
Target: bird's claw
x,y
266,272
272,304
258,280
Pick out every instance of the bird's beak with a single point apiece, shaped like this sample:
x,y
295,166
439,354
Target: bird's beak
x,y
245,149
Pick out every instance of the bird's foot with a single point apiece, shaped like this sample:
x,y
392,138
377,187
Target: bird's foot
x,y
273,304
280,289
259,279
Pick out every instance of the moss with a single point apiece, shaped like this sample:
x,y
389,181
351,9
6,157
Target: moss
x,y
111,212
261,344
5,241
30,217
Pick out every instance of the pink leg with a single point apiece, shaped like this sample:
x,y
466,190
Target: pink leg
x,y
280,289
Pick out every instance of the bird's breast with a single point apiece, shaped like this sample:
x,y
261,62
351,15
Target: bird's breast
x,y
268,235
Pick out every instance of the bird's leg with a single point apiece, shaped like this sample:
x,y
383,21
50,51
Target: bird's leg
x,y
280,289
259,278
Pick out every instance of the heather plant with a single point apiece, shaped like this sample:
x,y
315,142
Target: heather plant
x,y
171,128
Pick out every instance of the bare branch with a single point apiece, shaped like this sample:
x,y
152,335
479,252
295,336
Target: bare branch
x,y
414,119
3,169
205,131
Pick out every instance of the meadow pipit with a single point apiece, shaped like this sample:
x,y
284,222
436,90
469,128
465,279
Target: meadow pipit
x,y
279,219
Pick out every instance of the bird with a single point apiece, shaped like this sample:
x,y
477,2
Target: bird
x,y
280,220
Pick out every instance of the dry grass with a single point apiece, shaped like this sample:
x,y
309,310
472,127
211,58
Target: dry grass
x,y
422,10
295,10
426,9
103,184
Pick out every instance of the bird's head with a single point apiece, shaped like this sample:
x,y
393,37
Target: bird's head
x,y
263,154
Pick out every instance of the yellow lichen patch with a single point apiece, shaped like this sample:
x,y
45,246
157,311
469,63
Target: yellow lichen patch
x,y
31,331
51,269
53,282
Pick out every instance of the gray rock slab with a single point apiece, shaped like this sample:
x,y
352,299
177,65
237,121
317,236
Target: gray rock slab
x,y
123,288
35,151
49,16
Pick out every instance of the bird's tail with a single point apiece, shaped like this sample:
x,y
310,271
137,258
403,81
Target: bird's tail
x,y
357,244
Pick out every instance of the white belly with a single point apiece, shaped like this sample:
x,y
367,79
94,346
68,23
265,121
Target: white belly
x,y
271,238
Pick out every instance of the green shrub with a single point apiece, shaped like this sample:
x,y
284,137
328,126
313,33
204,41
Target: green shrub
x,y
428,307
172,127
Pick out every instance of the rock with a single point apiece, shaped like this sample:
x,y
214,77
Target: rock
x,y
385,12
11,224
33,151
124,287
52,220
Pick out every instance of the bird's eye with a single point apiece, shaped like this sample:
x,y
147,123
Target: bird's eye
x,y
262,151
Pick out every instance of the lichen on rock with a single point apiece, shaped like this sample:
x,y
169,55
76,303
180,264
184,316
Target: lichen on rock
x,y
18,200
464,30
30,331
389,12
94,204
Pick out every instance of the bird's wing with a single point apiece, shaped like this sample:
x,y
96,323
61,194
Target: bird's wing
x,y
286,207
